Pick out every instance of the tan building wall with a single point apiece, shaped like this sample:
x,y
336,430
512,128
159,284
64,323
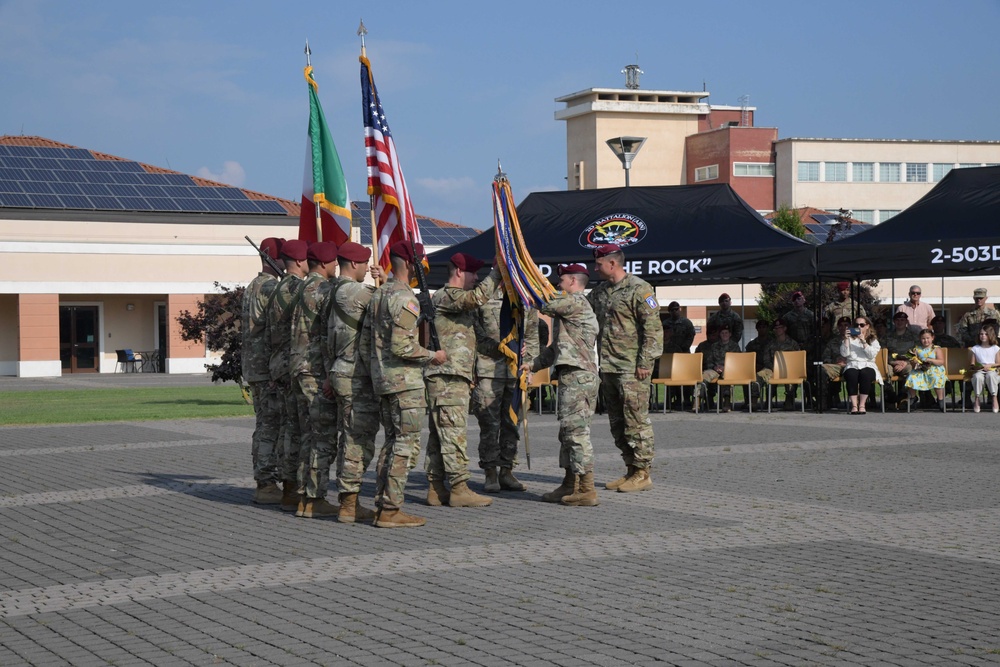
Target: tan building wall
x,y
858,195
38,331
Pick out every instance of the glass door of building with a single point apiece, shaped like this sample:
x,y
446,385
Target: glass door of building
x,y
78,339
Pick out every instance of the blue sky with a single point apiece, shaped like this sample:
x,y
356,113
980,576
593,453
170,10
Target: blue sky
x,y
216,88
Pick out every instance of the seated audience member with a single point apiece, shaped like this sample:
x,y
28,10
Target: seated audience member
x,y
860,371
918,312
759,347
984,358
780,342
833,361
940,337
928,370
899,341
705,348
717,362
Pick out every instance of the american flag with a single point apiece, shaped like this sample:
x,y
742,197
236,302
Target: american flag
x,y
394,216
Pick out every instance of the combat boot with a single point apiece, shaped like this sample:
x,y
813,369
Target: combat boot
x,y
639,481
789,402
289,496
585,495
613,486
351,510
397,519
567,487
437,493
508,482
317,508
462,496
269,494
492,484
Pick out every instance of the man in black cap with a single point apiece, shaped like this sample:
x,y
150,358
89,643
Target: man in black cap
x,y
279,332
629,343
448,384
256,355
899,341
682,330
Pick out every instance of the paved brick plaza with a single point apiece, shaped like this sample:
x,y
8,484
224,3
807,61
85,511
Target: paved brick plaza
x,y
781,539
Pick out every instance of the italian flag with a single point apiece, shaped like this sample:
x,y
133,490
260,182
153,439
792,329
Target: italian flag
x,y
326,206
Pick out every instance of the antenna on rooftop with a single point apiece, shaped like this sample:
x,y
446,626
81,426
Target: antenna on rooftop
x,y
632,73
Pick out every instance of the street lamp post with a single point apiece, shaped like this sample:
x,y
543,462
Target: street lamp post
x,y
626,148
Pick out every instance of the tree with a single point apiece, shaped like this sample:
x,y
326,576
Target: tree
x,y
217,323
790,221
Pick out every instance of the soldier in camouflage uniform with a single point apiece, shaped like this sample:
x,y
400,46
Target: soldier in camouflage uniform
x,y
833,361
844,307
968,326
389,335
899,341
571,355
307,368
802,329
941,338
726,315
256,354
279,333
630,341
780,342
682,335
715,363
494,392
448,384
759,347
349,382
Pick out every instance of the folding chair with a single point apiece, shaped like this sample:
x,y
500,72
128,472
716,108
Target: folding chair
x,y
954,367
539,380
888,377
789,368
740,368
679,370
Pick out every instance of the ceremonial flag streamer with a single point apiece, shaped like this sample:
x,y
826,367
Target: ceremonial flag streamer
x,y
326,206
524,286
394,216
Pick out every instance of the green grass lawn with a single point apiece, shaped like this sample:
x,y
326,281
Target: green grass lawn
x,y
99,405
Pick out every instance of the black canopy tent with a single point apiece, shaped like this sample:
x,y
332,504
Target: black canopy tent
x,y
950,231
672,235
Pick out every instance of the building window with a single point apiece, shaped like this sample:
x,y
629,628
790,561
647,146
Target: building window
x,y
863,216
966,165
753,169
709,173
885,215
808,171
940,170
916,172
836,171
888,172
863,171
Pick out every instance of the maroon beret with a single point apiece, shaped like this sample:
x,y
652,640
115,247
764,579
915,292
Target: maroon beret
x,y
564,269
295,250
354,252
606,249
796,295
467,262
271,246
843,285
724,296
405,250
780,323
323,251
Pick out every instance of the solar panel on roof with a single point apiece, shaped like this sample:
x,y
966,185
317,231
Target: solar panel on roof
x,y
244,206
14,199
98,177
14,161
127,179
36,187
50,151
195,205
206,193
95,189
122,190
45,201
79,154
75,201
269,206
150,191
23,151
163,204
176,191
11,174
66,188
231,193
10,186
45,163
104,165
106,203
69,176
178,179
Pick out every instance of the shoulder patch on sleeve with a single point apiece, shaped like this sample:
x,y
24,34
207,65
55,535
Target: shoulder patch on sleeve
x,y
651,301
413,307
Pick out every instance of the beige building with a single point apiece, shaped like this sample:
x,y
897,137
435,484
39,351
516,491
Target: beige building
x,y
99,254
873,178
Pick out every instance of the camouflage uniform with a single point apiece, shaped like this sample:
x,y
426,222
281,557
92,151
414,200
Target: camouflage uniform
x,y
351,381
630,338
845,308
899,343
801,326
945,340
831,354
448,384
571,354
759,346
969,325
495,385
307,367
717,357
728,317
279,332
766,364
256,354
397,359
682,337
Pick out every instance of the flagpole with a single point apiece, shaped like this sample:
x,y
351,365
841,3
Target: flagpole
x,y
319,220
362,31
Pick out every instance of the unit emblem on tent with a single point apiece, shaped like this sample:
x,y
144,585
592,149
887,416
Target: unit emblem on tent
x,y
620,228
